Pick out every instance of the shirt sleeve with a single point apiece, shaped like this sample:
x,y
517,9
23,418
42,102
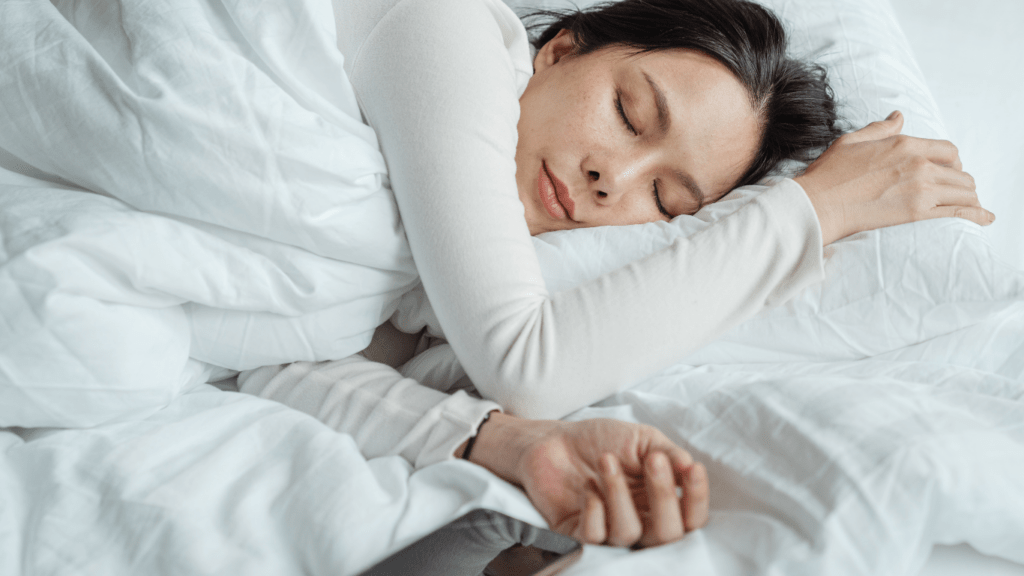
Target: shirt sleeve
x,y
435,80
384,412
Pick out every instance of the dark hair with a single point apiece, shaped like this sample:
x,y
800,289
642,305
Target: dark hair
x,y
792,99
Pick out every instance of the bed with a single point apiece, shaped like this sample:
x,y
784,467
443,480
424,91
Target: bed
x,y
873,425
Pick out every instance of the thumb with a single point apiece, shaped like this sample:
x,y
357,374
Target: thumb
x,y
880,130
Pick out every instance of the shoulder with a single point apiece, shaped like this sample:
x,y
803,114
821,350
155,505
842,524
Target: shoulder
x,y
486,30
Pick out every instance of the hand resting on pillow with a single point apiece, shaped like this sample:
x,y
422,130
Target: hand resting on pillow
x,y
874,177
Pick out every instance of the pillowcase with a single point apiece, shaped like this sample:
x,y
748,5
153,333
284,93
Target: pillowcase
x,y
884,289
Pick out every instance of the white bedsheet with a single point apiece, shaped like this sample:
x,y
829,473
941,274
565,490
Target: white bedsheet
x,y
838,465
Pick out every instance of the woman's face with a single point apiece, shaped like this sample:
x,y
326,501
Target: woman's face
x,y
612,138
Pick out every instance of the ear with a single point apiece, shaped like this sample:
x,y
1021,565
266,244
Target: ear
x,y
563,44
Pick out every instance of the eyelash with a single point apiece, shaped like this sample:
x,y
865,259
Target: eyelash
x,y
657,200
622,114
629,126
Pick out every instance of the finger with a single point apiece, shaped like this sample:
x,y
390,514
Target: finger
x,y
941,152
948,195
661,443
624,527
974,214
880,130
591,529
958,179
680,458
665,520
696,497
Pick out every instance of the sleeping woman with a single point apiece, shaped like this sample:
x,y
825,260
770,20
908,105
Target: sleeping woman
x,y
628,113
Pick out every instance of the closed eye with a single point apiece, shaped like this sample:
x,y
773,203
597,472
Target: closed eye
x,y
633,130
622,113
657,200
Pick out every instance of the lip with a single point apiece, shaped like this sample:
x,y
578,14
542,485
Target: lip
x,y
554,194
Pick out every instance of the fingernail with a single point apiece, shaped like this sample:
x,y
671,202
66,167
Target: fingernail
x,y
991,217
894,114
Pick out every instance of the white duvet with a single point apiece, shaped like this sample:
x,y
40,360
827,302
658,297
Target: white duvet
x,y
241,215
845,433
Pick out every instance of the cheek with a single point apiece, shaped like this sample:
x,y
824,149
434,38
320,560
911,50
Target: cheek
x,y
646,211
638,208
569,109
573,104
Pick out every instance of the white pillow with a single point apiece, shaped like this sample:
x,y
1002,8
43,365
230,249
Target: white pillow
x,y
884,289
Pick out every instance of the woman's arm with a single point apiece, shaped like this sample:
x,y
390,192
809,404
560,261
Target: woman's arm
x,y
582,476
435,80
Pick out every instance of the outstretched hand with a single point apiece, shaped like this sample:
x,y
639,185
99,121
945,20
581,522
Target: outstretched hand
x,y
601,481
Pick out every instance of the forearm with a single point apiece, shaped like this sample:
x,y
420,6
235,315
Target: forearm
x,y
384,413
551,357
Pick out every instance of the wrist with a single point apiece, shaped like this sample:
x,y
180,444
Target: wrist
x,y
831,218
503,440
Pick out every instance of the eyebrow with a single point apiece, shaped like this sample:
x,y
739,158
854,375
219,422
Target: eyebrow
x,y
664,120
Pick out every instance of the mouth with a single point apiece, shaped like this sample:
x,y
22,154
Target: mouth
x,y
554,195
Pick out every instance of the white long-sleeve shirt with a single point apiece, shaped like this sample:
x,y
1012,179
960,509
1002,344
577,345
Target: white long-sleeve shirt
x,y
384,412
439,81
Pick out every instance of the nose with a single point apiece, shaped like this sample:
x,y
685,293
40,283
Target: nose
x,y
594,176
610,176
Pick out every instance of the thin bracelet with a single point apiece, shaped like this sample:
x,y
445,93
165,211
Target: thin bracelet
x,y
469,445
